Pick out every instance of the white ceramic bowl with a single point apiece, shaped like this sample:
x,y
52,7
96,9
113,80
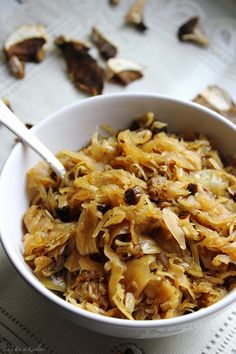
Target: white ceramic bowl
x,y
71,128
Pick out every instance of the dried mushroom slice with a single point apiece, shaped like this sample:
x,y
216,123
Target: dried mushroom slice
x,y
191,31
123,71
231,114
7,103
29,125
135,15
215,98
114,2
76,44
16,67
27,43
84,72
106,48
219,100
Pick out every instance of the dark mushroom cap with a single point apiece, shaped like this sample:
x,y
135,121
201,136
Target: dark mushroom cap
x,y
123,71
26,43
106,48
84,72
191,31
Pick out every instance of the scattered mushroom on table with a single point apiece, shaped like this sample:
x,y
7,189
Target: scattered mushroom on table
x,y
191,31
106,48
84,72
123,71
25,44
135,15
219,100
7,102
114,2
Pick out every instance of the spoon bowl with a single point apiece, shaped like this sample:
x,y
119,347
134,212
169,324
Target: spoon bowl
x,y
13,123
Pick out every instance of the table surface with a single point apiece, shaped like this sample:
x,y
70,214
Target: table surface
x,y
27,321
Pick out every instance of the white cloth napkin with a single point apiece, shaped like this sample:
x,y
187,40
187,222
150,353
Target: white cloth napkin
x,y
27,321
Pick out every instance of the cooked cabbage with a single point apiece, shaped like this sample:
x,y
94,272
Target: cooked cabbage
x,y
142,227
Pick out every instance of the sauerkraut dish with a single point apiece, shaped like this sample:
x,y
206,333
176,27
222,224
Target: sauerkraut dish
x,y
143,226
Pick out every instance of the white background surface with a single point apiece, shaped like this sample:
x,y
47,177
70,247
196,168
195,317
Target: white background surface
x,y
170,67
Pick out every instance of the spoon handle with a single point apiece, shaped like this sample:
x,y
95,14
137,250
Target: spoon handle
x,y
10,120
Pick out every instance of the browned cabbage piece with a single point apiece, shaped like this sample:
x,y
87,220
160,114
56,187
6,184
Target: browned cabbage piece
x,y
169,253
191,31
25,44
219,100
123,71
106,48
84,72
135,15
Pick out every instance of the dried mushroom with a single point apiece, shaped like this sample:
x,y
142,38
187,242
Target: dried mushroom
x,y
84,72
123,71
135,15
191,31
106,48
76,44
7,103
218,100
29,125
25,44
16,67
114,2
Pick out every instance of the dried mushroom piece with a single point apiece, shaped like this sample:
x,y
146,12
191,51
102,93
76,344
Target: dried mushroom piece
x,y
7,103
106,48
27,43
76,44
191,31
114,2
16,67
135,15
219,100
123,71
231,114
29,125
84,72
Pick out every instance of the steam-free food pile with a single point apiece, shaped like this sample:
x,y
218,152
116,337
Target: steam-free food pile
x,y
141,228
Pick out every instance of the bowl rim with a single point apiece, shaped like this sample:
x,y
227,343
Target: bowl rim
x,y
112,321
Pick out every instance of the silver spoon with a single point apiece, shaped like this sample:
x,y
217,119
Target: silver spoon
x,y
10,120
